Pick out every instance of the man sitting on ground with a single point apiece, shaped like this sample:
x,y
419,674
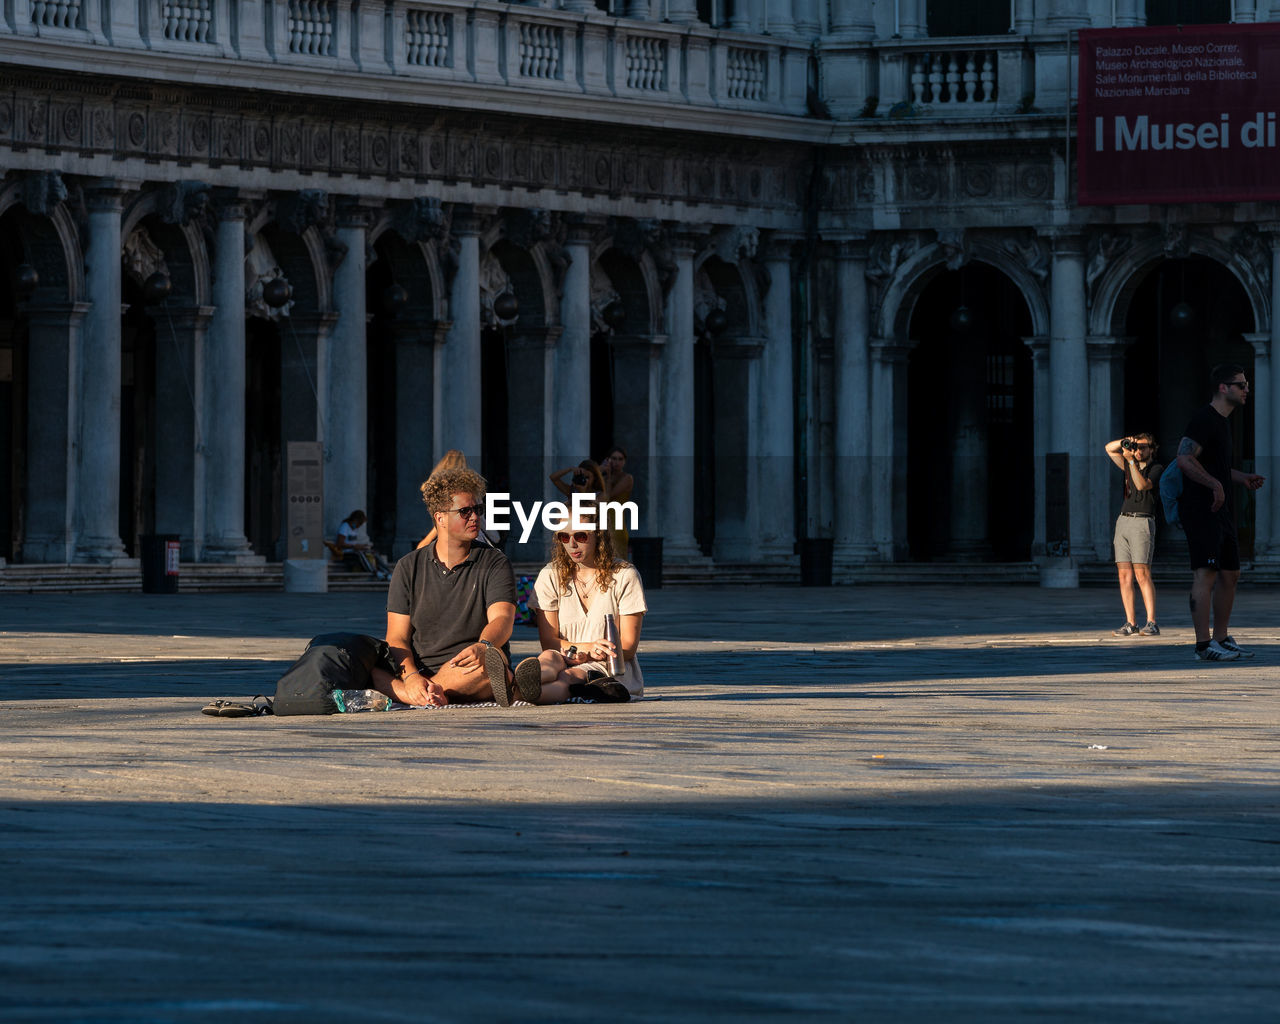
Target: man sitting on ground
x,y
451,605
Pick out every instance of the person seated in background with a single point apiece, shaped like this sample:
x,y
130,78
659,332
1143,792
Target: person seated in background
x,y
574,592
353,545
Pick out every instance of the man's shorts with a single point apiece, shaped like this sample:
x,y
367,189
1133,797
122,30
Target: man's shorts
x,y
1211,541
1135,539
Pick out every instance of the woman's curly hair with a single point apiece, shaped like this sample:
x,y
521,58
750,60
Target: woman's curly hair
x,y
438,491
607,564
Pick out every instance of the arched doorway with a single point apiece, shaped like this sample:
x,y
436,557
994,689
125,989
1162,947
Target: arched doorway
x,y
970,456
137,417
262,434
1187,316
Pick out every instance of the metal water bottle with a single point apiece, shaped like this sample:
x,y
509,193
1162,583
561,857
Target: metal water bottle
x,y
616,667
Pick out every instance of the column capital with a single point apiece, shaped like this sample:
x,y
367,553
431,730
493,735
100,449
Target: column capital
x,y
357,212
105,194
466,220
853,246
583,229
1107,348
1039,345
779,246
231,204
1069,242
1261,342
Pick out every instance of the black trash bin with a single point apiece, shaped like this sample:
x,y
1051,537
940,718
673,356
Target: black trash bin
x,y
646,556
160,552
815,561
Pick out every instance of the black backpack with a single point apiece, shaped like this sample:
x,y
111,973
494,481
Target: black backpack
x,y
332,661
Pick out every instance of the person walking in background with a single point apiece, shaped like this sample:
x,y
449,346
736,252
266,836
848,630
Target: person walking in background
x,y
1207,512
1135,535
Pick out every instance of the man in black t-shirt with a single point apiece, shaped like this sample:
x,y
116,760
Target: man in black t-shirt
x,y
451,605
1207,513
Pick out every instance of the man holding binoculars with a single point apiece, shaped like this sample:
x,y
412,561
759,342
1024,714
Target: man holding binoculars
x,y
1135,537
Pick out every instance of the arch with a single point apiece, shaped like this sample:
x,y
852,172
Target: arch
x,y
303,260
528,273
651,314
1117,285
47,238
915,274
737,288
183,244
429,251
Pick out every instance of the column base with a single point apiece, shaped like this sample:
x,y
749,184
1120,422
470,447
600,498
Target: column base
x,y
231,553
1059,574
306,576
777,552
103,551
854,553
682,551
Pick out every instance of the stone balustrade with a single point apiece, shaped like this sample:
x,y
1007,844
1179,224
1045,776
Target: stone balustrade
x,y
944,77
528,46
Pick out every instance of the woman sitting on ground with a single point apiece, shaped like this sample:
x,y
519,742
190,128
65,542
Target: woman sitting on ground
x,y
574,592
353,545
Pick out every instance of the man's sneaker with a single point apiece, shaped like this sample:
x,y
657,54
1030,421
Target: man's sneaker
x,y
1150,629
1230,644
1216,652
1128,629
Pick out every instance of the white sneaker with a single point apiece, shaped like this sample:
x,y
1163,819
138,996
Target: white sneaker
x,y
1216,652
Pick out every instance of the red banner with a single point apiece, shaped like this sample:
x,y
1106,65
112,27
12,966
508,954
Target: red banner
x,y
1179,115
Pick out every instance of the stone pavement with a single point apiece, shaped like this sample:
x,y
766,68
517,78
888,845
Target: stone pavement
x,y
875,803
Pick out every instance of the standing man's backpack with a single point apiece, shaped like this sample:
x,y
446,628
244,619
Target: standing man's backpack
x,y
1170,489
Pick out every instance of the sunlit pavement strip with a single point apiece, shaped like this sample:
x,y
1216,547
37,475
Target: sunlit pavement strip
x,y
876,803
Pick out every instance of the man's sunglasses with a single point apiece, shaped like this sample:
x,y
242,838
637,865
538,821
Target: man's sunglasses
x,y
580,538
468,511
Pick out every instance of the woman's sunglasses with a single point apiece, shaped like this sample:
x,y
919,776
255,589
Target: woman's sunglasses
x,y
580,538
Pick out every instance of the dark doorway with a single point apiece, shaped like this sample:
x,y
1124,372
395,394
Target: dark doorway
x,y
1186,317
262,466
137,419
970,420
602,402
704,444
381,380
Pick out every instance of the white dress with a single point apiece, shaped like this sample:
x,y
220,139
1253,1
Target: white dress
x,y
578,625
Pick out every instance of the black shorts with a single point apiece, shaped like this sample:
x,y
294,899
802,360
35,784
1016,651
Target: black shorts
x,y
1211,541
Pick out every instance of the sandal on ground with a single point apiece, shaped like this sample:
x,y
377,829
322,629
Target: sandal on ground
x,y
259,705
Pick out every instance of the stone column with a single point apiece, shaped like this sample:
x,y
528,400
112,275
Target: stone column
x,y
778,17
852,20
1128,13
98,487
417,342
304,338
1106,423
572,406
1245,12
682,12
738,509
1262,401
180,343
1041,397
1067,14
774,429
889,447
853,541
912,22
457,397
807,20
530,378
673,481
53,400
1069,367
221,397
344,370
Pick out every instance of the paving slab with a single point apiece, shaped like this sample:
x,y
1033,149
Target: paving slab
x,y
873,803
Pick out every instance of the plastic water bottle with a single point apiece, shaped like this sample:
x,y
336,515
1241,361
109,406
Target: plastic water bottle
x,y
361,700
616,667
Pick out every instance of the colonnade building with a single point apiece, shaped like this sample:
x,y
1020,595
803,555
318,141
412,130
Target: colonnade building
x,y
817,267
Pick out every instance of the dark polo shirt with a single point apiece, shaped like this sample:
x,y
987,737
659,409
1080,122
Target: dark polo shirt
x,y
449,607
